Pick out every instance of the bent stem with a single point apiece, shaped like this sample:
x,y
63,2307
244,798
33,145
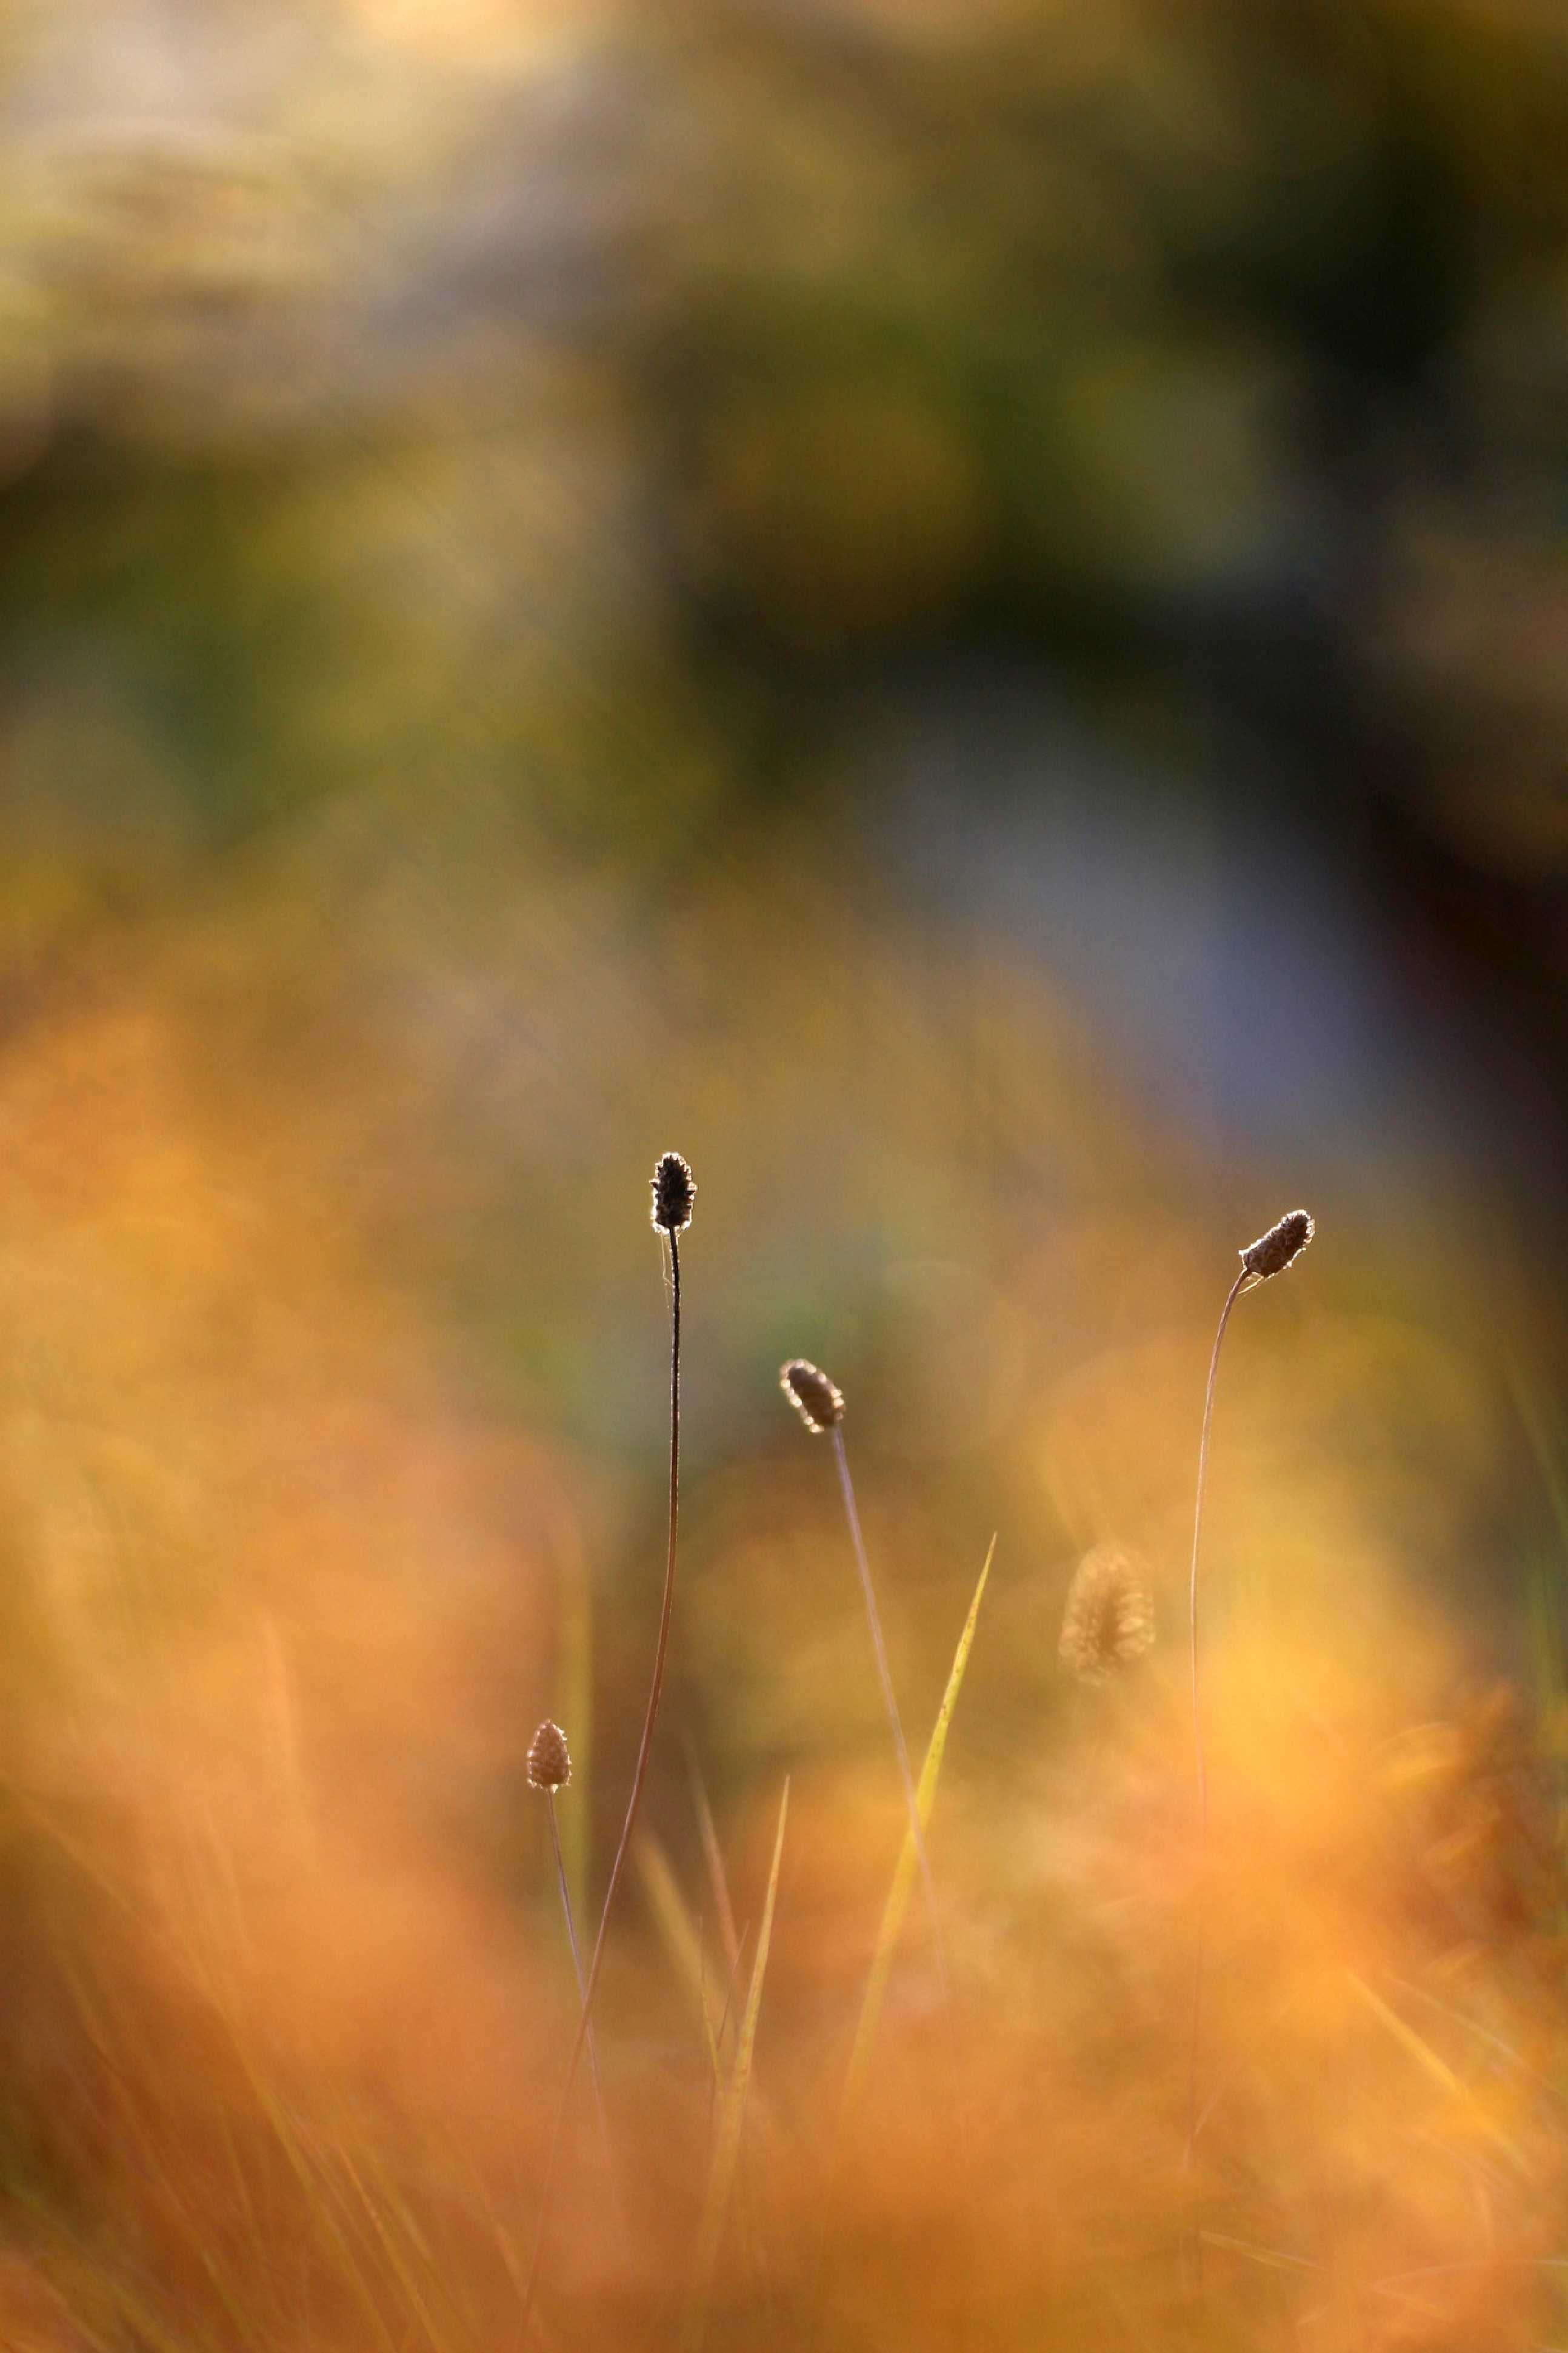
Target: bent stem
x,y
1244,1281
638,1777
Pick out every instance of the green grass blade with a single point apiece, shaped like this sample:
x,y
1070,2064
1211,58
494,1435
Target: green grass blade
x,y
732,2116
898,1899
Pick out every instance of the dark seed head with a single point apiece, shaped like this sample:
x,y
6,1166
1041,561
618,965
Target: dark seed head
x,y
814,1396
1272,1253
549,1763
1109,1621
673,1194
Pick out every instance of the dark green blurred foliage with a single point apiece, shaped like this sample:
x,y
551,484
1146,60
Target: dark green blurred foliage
x,y
393,395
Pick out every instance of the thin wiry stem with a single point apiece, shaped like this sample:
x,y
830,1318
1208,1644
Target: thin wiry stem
x,y
577,1971
884,1674
638,1777
1244,1281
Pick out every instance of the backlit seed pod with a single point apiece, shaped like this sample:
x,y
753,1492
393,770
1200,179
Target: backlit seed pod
x,y
548,1761
1272,1253
1109,1621
673,1194
814,1396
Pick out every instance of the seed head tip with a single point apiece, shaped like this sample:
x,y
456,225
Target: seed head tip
x,y
819,1402
673,1194
1272,1253
548,1759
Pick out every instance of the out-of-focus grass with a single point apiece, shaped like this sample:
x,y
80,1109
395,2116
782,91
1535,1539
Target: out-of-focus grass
x,y
286,1999
898,1899
731,2114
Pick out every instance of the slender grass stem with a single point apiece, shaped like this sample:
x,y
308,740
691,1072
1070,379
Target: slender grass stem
x,y
639,1775
884,1675
1270,1255
1243,1282
577,1971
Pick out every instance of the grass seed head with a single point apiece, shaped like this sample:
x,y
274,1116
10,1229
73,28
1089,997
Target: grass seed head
x,y
815,1398
1109,1617
1272,1253
548,1759
673,1194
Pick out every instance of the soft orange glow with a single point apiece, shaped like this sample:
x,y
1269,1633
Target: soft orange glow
x,y
956,608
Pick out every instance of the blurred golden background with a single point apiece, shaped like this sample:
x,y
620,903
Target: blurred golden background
x,y
959,611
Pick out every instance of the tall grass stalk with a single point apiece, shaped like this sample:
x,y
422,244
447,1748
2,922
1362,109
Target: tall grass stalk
x,y
673,1193
1271,1254
1195,2032
1243,1282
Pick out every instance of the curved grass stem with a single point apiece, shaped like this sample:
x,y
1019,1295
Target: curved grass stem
x,y
1244,1281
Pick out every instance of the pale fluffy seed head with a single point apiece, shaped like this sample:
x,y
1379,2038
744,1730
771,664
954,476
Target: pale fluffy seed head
x,y
1109,1621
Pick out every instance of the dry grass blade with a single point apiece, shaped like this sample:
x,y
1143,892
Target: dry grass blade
x,y
1436,2068
682,1938
732,2116
720,1885
904,1869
